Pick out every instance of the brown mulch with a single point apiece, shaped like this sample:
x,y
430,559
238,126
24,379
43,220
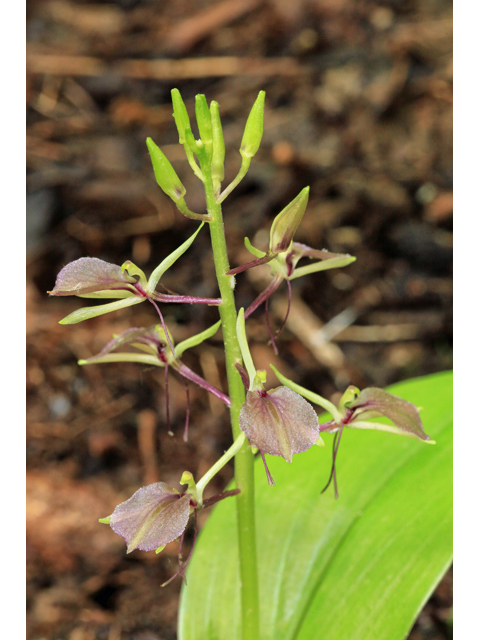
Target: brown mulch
x,y
359,107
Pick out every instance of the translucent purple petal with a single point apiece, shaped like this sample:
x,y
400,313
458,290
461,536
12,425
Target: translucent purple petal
x,y
152,517
279,422
379,402
148,337
87,275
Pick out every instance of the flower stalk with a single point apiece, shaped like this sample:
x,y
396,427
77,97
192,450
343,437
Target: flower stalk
x,y
244,476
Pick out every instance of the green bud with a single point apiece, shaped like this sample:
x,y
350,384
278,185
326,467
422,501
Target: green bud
x,y
204,122
165,174
252,136
218,157
285,224
181,116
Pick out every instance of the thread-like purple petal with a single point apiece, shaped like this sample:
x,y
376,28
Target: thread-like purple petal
x,y
87,275
402,413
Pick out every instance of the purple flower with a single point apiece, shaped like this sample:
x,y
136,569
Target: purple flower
x,y
94,278
152,347
357,408
278,422
283,255
158,514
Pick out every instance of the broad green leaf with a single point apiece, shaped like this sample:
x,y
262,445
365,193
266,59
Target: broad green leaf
x,y
359,568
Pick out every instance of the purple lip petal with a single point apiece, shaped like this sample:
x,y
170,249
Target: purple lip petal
x,y
87,275
403,414
153,516
147,337
279,422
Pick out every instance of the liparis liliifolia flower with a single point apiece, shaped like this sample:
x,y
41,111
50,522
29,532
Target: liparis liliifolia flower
x,y
278,422
355,411
158,514
283,255
153,347
95,278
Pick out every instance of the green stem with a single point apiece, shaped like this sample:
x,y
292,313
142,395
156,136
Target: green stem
x,y
240,176
219,464
244,459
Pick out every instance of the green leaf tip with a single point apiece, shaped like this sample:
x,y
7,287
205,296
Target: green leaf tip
x,y
160,549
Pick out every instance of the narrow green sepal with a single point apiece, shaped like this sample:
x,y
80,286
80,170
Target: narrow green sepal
x,y
169,260
85,313
160,549
252,136
244,348
105,520
309,395
286,223
165,174
319,442
197,339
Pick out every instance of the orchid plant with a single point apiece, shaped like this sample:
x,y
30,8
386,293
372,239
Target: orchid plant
x,y
276,422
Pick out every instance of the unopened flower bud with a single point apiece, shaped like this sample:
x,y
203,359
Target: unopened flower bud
x,y
285,224
252,136
165,174
204,122
218,156
181,117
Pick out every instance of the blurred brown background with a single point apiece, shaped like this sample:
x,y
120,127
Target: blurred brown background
x,y
359,107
